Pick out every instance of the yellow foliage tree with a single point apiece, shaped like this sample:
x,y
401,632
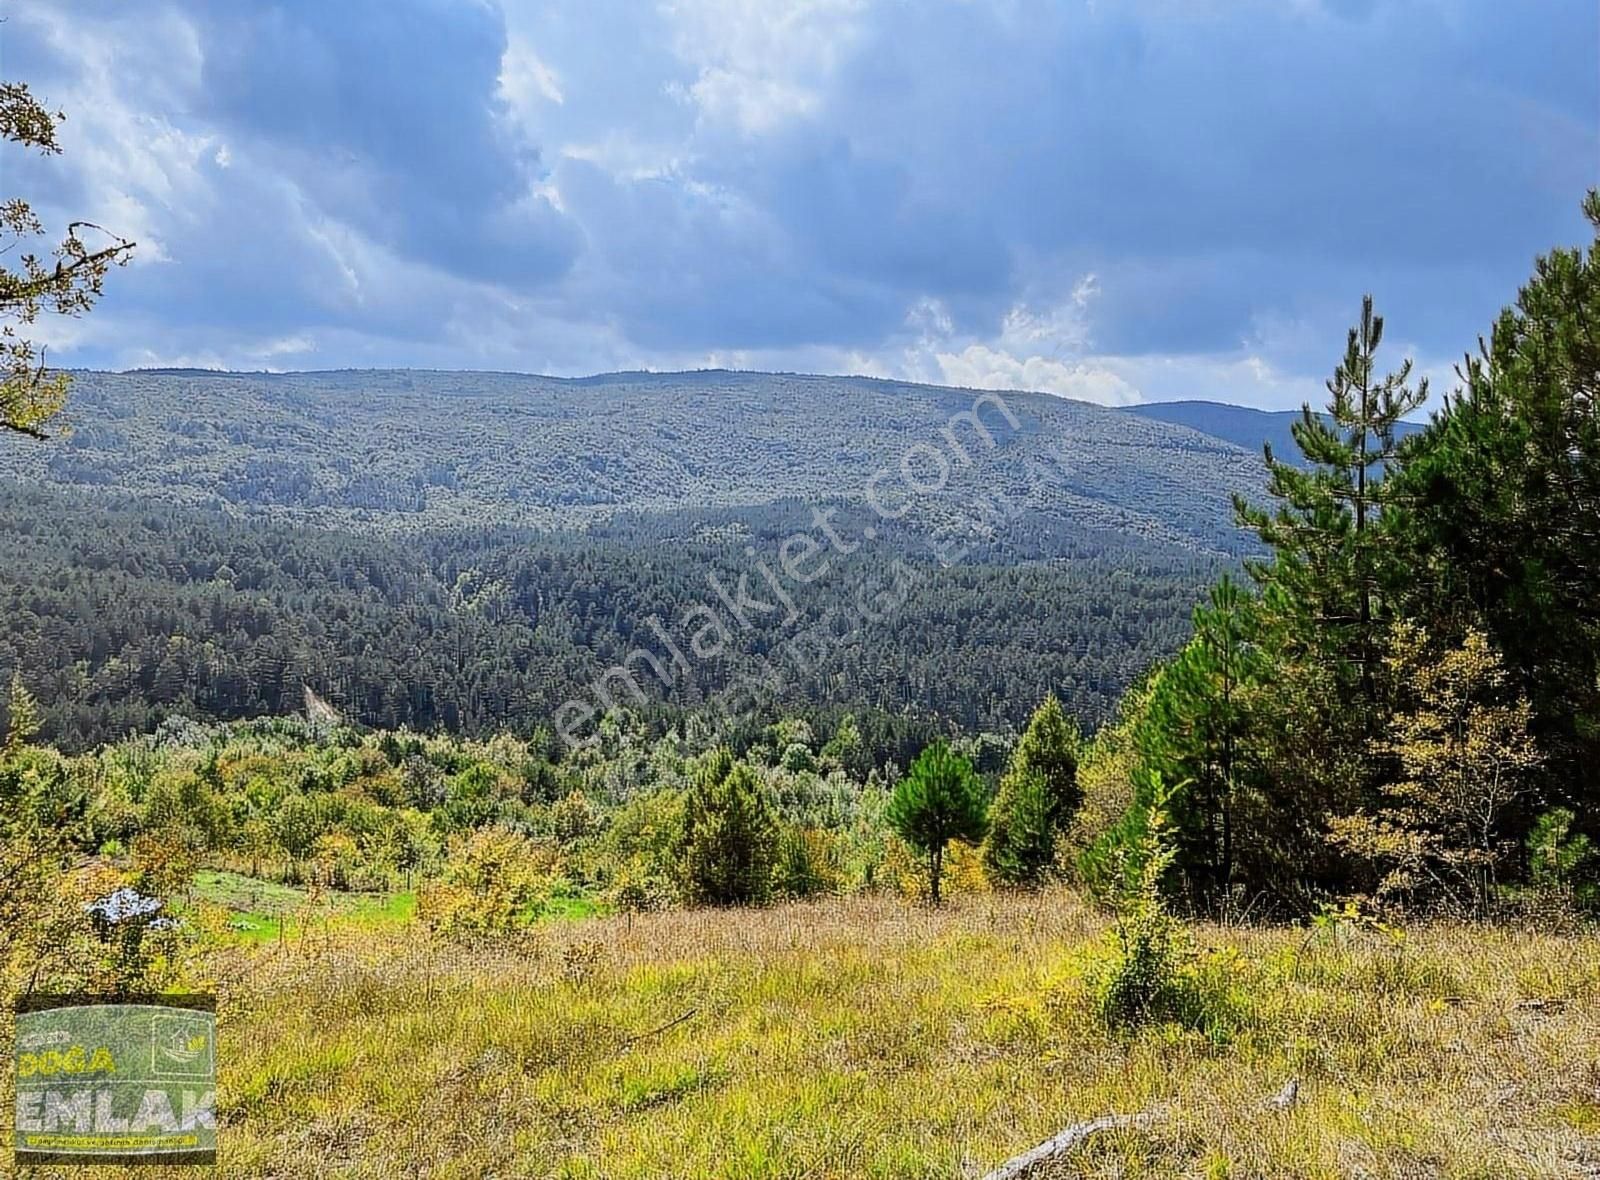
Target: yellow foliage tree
x,y
1462,742
22,716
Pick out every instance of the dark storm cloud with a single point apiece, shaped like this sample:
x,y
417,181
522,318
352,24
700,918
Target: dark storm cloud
x,y
816,183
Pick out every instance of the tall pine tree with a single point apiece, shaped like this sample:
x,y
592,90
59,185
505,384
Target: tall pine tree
x,y
1327,533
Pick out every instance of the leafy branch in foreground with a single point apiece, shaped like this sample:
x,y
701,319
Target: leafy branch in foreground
x,y
67,283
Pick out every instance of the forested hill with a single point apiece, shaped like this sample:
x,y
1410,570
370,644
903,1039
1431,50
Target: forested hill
x,y
468,550
407,450
120,613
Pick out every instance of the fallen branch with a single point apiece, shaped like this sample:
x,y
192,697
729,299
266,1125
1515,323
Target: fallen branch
x,y
656,1032
1069,1139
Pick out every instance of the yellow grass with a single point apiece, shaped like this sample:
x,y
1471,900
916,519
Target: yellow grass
x,y
872,1037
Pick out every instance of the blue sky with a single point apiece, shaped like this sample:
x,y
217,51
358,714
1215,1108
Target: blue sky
x,y
1116,201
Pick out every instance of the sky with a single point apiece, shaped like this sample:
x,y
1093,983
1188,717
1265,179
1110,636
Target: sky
x,y
1113,201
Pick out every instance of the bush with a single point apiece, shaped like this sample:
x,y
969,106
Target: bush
x,y
495,881
808,864
1560,861
1112,866
639,888
1151,975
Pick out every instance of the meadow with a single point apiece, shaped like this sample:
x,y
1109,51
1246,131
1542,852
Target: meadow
x,y
873,1037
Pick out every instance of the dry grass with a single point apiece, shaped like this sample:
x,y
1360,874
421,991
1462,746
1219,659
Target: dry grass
x,y
873,1038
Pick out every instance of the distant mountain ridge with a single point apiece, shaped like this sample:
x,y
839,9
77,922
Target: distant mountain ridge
x,y
1242,426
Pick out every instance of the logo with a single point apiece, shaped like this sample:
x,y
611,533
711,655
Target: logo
x,y
181,1046
129,1081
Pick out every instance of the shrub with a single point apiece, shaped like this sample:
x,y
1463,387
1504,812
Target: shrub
x,y
807,864
1145,979
1154,974
1559,860
495,881
640,888
573,818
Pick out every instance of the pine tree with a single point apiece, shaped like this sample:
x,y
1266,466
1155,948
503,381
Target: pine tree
x,y
1021,846
1507,507
729,842
1327,533
1038,797
940,799
1198,728
22,716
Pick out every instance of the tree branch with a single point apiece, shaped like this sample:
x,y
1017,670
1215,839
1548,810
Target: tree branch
x,y
1072,1137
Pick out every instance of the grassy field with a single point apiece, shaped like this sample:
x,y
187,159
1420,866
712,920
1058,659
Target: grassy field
x,y
267,911
871,1037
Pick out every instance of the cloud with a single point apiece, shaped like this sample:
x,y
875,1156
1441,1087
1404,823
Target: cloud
x,y
758,67
390,114
1104,201
981,367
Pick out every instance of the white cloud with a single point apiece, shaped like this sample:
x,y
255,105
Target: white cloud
x,y
1043,351
748,101
528,85
761,65
285,346
981,367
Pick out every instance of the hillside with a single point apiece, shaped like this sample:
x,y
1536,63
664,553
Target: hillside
x,y
469,550
121,612
407,450
1241,426
868,1038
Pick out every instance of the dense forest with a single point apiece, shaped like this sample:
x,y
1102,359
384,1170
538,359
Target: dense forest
x,y
119,613
468,551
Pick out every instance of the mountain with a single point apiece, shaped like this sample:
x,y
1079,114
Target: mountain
x,y
470,550
1239,425
402,450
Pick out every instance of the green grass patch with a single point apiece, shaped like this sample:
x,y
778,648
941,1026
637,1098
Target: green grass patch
x,y
262,911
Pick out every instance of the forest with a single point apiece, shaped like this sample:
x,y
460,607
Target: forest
x,y
1397,700
119,614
